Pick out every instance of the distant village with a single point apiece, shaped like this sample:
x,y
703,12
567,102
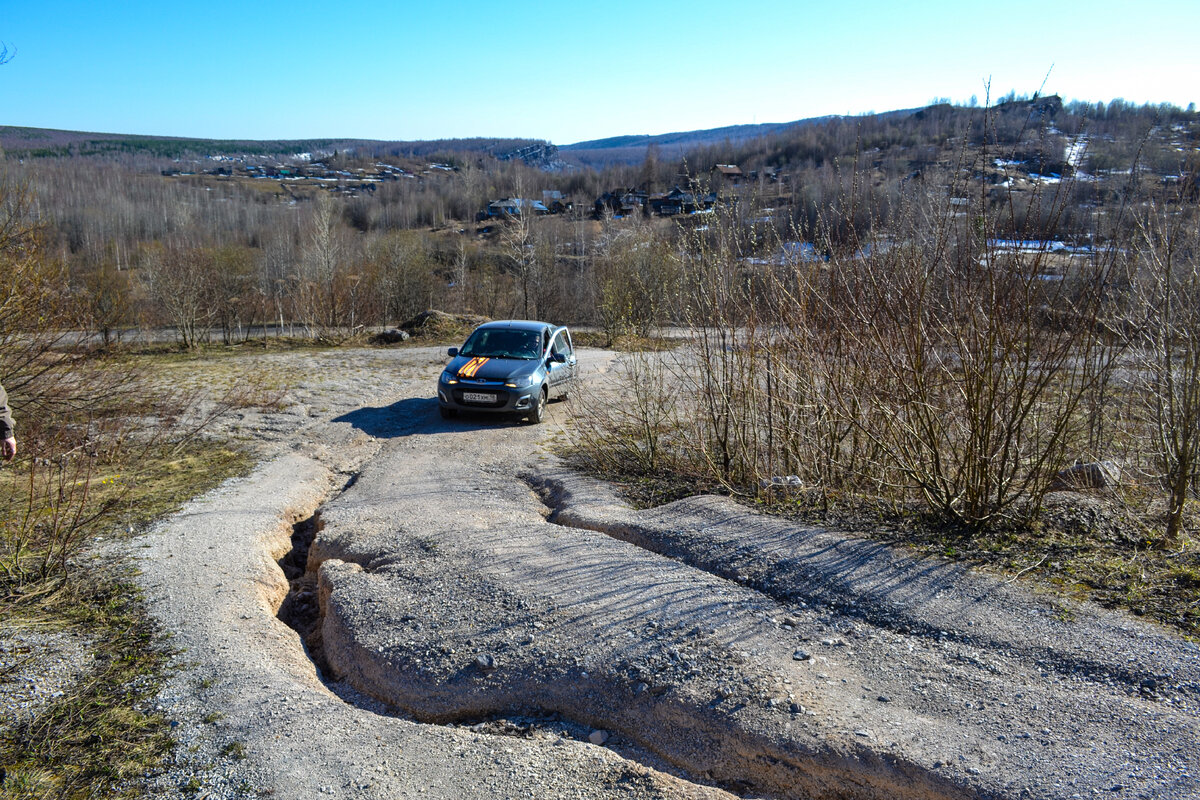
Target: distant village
x,y
626,202
345,181
617,203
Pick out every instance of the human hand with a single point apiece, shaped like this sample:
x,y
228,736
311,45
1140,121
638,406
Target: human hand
x,y
10,448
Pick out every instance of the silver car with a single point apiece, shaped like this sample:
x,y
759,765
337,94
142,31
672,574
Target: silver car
x,y
509,367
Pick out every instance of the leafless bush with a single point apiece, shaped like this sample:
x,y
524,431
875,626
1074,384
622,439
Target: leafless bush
x,y
180,279
925,361
976,396
636,275
1166,250
328,292
636,431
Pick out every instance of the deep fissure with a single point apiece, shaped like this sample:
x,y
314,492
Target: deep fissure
x,y
741,762
300,610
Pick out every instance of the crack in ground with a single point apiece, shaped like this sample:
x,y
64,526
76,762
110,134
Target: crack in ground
x,y
301,611
788,584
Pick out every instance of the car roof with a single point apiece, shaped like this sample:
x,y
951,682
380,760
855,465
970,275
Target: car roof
x,y
518,324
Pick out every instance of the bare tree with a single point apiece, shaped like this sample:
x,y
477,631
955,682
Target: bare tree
x,y
179,281
1167,247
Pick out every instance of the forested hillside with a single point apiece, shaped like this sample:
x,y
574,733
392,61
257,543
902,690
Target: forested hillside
x,y
335,235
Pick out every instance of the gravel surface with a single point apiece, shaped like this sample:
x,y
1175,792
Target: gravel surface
x,y
38,667
487,623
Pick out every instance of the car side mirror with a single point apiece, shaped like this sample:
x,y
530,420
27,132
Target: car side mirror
x,y
559,358
452,352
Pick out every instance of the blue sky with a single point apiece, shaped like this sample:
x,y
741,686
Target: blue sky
x,y
563,71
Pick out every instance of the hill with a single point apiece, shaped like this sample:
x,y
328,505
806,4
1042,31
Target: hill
x,y
632,149
50,143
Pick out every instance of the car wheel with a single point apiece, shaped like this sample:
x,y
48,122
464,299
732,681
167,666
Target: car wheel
x,y
539,409
447,413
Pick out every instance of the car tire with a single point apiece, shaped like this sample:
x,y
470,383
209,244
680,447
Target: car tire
x,y
447,413
538,413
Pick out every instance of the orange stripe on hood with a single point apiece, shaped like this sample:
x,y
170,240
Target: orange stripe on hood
x,y
471,367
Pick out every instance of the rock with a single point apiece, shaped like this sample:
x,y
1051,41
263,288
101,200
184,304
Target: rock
x,y
780,486
390,336
485,661
801,655
598,737
1092,475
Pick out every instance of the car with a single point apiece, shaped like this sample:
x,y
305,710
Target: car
x,y
510,367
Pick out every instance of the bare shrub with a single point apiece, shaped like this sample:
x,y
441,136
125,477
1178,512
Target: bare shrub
x,y
636,274
179,280
925,359
1166,249
633,432
328,288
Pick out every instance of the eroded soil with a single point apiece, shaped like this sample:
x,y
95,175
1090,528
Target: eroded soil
x,y
482,621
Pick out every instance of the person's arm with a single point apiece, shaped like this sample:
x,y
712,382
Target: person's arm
x,y
8,441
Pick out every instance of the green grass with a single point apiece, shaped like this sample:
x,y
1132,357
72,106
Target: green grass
x,y
102,735
102,732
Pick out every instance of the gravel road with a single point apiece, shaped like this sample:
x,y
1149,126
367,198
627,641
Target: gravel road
x,y
488,623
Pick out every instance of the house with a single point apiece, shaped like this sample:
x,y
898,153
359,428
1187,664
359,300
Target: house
x,y
727,174
677,201
515,207
621,202
556,202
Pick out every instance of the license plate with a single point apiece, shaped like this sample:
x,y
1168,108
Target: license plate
x,y
478,397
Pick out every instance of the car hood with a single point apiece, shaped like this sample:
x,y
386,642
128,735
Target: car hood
x,y
490,369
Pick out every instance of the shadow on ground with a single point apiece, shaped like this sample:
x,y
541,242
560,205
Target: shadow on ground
x,y
415,416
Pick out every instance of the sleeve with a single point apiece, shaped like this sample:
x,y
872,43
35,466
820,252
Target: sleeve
x,y
6,420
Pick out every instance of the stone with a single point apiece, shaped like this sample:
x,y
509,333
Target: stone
x,y
390,336
485,661
1090,475
801,655
598,737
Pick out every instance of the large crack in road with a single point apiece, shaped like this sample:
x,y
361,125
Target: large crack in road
x,y
460,582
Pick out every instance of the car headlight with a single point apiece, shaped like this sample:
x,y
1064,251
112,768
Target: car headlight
x,y
449,377
521,382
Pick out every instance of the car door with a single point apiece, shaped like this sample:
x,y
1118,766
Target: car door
x,y
561,373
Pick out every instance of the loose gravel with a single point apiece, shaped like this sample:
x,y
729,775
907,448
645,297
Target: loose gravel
x,y
484,622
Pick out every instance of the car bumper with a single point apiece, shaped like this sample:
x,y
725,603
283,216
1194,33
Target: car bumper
x,y
504,400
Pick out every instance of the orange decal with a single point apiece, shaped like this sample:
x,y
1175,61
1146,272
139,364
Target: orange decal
x,y
471,367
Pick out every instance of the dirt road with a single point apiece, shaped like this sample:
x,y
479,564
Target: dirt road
x,y
490,624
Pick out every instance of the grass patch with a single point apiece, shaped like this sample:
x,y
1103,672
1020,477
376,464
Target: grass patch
x,y
169,479
102,732
234,750
626,343
102,735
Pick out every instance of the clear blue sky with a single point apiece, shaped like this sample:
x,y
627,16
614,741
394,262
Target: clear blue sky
x,y
266,69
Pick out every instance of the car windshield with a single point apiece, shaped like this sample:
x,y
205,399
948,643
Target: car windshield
x,y
502,343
